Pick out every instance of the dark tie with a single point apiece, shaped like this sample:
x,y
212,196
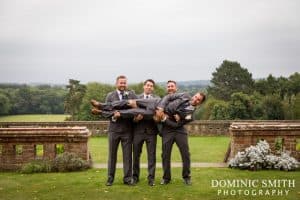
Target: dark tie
x,y
147,96
123,95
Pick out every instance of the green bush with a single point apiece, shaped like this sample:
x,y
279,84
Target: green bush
x,y
36,166
64,162
67,162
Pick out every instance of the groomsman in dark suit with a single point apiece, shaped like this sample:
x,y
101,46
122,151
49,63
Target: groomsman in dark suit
x,y
120,130
173,131
145,131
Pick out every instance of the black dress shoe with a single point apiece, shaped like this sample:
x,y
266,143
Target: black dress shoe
x,y
187,181
130,183
164,182
135,181
151,183
109,181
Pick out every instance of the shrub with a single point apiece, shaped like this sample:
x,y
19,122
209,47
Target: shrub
x,y
64,162
260,157
67,162
36,166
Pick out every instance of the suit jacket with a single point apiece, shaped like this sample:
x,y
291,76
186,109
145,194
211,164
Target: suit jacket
x,y
145,126
120,125
178,103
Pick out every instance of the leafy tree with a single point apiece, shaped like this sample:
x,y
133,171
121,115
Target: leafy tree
x,y
294,86
256,105
4,104
273,108
23,101
292,108
296,107
74,97
94,90
230,78
219,111
204,112
240,106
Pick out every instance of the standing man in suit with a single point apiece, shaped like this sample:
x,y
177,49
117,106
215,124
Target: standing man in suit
x,y
120,130
145,130
173,131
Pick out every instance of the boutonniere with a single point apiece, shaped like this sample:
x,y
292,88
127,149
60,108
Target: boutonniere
x,y
188,117
126,93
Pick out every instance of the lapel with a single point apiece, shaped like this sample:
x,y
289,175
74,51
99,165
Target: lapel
x,y
116,96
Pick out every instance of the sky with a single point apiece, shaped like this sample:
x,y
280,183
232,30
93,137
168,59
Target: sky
x,y
52,41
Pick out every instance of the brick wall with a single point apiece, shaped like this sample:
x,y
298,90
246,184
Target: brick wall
x,y
244,134
19,145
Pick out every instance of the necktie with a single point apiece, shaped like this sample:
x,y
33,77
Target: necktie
x,y
123,95
147,96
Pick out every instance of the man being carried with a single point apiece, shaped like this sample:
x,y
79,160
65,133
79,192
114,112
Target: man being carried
x,y
177,105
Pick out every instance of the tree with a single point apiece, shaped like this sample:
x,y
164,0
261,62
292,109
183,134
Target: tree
x,y
294,80
219,111
74,97
23,100
229,78
204,112
4,104
97,91
240,106
273,108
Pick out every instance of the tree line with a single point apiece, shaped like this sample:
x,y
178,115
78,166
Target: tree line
x,y
232,94
28,99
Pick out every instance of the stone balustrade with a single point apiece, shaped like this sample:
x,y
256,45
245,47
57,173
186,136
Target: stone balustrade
x,y
98,128
19,145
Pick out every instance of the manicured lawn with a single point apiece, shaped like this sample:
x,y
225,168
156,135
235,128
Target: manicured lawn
x,y
90,185
202,149
34,118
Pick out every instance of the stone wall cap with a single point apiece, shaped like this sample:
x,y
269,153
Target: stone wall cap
x,y
265,125
45,131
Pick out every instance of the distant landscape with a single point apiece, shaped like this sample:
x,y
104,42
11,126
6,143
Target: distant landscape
x,y
232,94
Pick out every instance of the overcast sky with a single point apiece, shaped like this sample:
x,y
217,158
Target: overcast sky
x,y
52,41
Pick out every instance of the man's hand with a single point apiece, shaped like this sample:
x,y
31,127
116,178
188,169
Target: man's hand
x,y
177,117
159,116
159,112
138,117
132,103
117,114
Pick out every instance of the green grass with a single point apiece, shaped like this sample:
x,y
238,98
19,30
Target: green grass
x,y
202,149
90,185
34,118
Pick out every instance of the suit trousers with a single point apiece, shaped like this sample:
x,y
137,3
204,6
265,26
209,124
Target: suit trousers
x,y
126,141
181,140
138,141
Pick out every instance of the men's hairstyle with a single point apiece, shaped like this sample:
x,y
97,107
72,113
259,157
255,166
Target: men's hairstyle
x,y
149,80
203,95
121,77
171,81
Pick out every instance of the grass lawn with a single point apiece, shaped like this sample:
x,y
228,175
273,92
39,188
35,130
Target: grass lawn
x,y
202,149
34,118
90,185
